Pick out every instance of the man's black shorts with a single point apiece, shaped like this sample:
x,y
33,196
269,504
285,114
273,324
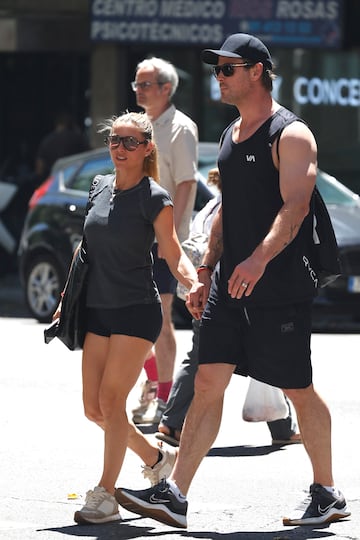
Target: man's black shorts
x,y
271,344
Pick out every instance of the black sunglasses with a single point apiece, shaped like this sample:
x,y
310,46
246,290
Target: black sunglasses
x,y
129,143
228,69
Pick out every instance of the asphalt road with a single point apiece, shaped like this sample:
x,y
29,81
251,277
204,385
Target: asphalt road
x,y
50,453
12,299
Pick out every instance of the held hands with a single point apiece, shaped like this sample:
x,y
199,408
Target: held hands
x,y
197,297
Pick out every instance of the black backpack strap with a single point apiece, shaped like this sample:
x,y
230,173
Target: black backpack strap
x,y
289,118
284,117
324,250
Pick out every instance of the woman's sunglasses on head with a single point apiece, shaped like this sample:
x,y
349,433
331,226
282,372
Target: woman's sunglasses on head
x,y
228,70
129,143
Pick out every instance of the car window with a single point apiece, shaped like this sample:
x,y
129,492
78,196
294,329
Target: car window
x,y
68,172
82,179
334,192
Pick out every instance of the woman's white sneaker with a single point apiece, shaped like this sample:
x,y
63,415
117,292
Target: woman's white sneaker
x,y
163,468
100,507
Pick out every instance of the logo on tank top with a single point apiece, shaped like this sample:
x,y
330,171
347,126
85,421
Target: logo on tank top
x,y
250,158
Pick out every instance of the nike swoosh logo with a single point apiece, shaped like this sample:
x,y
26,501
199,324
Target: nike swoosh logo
x,y
153,499
323,511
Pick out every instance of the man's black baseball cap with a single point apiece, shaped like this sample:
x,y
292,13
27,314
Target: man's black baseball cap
x,y
240,46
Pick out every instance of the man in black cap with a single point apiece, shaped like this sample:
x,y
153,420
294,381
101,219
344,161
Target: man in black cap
x,y
256,309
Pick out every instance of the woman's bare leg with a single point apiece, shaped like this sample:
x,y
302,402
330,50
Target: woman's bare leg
x,y
111,367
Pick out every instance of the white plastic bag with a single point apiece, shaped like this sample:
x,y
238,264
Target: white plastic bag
x,y
264,403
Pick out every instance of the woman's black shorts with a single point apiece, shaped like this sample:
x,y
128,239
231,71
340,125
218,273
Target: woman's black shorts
x,y
140,320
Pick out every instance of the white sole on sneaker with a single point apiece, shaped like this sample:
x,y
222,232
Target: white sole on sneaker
x,y
82,520
154,511
333,515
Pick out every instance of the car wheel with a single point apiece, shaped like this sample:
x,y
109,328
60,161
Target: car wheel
x,y
43,283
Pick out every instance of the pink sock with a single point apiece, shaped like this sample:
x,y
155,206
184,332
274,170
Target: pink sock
x,y
164,390
150,368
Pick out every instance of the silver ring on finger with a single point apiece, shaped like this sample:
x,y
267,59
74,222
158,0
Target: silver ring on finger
x,y
244,284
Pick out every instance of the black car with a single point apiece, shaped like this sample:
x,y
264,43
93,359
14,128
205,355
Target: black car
x,y
53,228
53,225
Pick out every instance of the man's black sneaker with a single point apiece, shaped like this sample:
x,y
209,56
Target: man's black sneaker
x,y
157,502
319,507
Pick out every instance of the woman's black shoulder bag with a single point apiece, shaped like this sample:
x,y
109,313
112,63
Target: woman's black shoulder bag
x,y
70,328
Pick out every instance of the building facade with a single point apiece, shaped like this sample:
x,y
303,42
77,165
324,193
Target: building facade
x,y
81,56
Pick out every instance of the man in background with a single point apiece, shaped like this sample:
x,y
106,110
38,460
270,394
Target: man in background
x,y
176,136
64,140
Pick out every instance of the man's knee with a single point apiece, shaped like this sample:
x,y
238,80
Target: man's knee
x,y
211,380
299,396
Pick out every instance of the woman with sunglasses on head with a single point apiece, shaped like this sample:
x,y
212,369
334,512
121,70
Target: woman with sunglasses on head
x,y
124,213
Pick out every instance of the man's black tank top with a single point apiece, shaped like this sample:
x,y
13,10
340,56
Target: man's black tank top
x,y
251,199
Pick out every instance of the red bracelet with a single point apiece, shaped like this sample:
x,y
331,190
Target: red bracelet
x,y
203,267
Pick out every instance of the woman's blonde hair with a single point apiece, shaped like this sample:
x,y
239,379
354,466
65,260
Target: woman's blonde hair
x,y
142,122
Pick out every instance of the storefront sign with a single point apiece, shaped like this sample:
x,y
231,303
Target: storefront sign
x,y
286,23
316,91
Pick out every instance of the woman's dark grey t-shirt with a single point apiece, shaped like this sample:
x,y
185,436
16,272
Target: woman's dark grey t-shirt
x,y
119,234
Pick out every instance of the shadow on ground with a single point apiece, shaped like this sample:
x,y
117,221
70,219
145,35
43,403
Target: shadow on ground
x,y
127,530
243,451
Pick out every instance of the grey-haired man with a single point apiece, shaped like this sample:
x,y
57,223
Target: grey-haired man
x,y
176,137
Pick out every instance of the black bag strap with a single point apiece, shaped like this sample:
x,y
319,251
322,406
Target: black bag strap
x,y
98,184
282,115
325,248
